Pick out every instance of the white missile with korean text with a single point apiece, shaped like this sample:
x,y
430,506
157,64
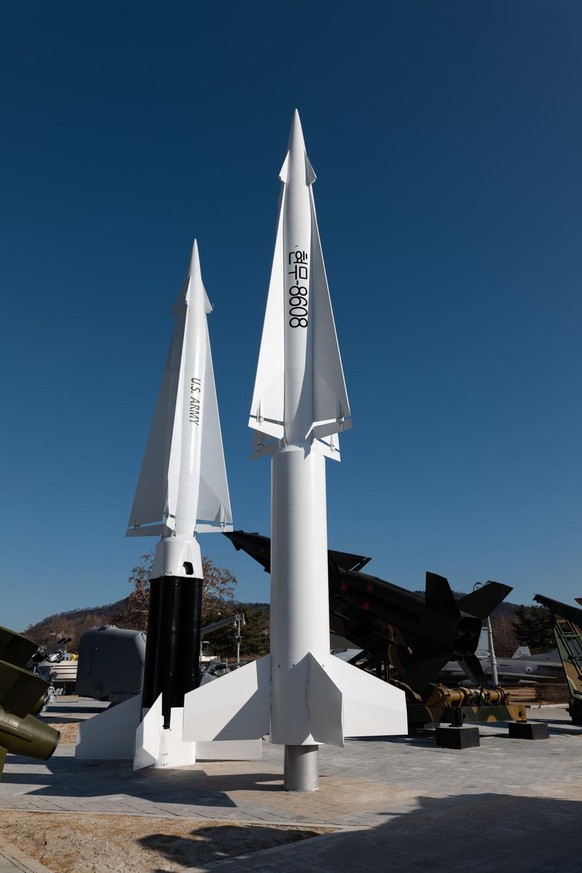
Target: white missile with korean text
x,y
299,694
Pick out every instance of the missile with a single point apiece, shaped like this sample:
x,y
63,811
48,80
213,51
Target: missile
x,y
182,491
299,694
421,633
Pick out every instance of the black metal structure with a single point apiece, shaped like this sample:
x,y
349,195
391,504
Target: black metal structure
x,y
404,636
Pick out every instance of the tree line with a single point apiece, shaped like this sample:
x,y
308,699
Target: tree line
x,y
512,625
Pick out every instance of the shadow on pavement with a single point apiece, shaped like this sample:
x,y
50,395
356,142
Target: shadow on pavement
x,y
209,845
483,833
74,778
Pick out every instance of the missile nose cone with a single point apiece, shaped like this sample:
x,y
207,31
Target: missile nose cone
x,y
297,166
194,280
296,139
194,270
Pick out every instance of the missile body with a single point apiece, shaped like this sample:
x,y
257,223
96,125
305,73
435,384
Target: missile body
x,y
182,490
285,424
299,694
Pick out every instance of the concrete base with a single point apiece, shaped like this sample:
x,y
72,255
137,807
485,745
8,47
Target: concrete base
x,y
528,730
457,737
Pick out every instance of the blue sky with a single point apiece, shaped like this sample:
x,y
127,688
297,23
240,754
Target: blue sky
x,y
447,139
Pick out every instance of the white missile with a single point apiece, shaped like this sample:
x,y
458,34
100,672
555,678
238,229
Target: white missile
x,y
182,490
300,694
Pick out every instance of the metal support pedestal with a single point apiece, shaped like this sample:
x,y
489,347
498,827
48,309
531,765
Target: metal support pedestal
x,y
529,730
457,737
301,768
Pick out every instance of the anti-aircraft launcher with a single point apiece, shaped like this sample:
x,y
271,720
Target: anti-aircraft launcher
x,y
567,627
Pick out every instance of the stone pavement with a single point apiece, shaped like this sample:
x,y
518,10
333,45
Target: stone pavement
x,y
400,803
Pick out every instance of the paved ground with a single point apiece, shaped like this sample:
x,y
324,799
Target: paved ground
x,y
398,804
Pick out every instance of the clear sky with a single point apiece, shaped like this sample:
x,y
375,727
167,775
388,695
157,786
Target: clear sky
x,y
447,139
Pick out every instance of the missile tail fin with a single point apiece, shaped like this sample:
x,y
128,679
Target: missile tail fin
x,y
111,735
233,707
483,601
439,596
472,667
347,702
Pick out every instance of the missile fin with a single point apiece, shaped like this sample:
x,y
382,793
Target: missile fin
x,y
420,666
268,403
326,706
147,737
255,545
331,408
112,734
439,596
483,601
309,172
214,511
347,702
259,548
233,707
150,494
345,562
472,667
264,443
284,171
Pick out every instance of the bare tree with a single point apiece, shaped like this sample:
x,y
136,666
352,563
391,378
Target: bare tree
x,y
504,638
217,591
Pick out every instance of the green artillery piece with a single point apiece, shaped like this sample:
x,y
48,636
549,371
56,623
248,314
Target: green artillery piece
x,y
22,695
